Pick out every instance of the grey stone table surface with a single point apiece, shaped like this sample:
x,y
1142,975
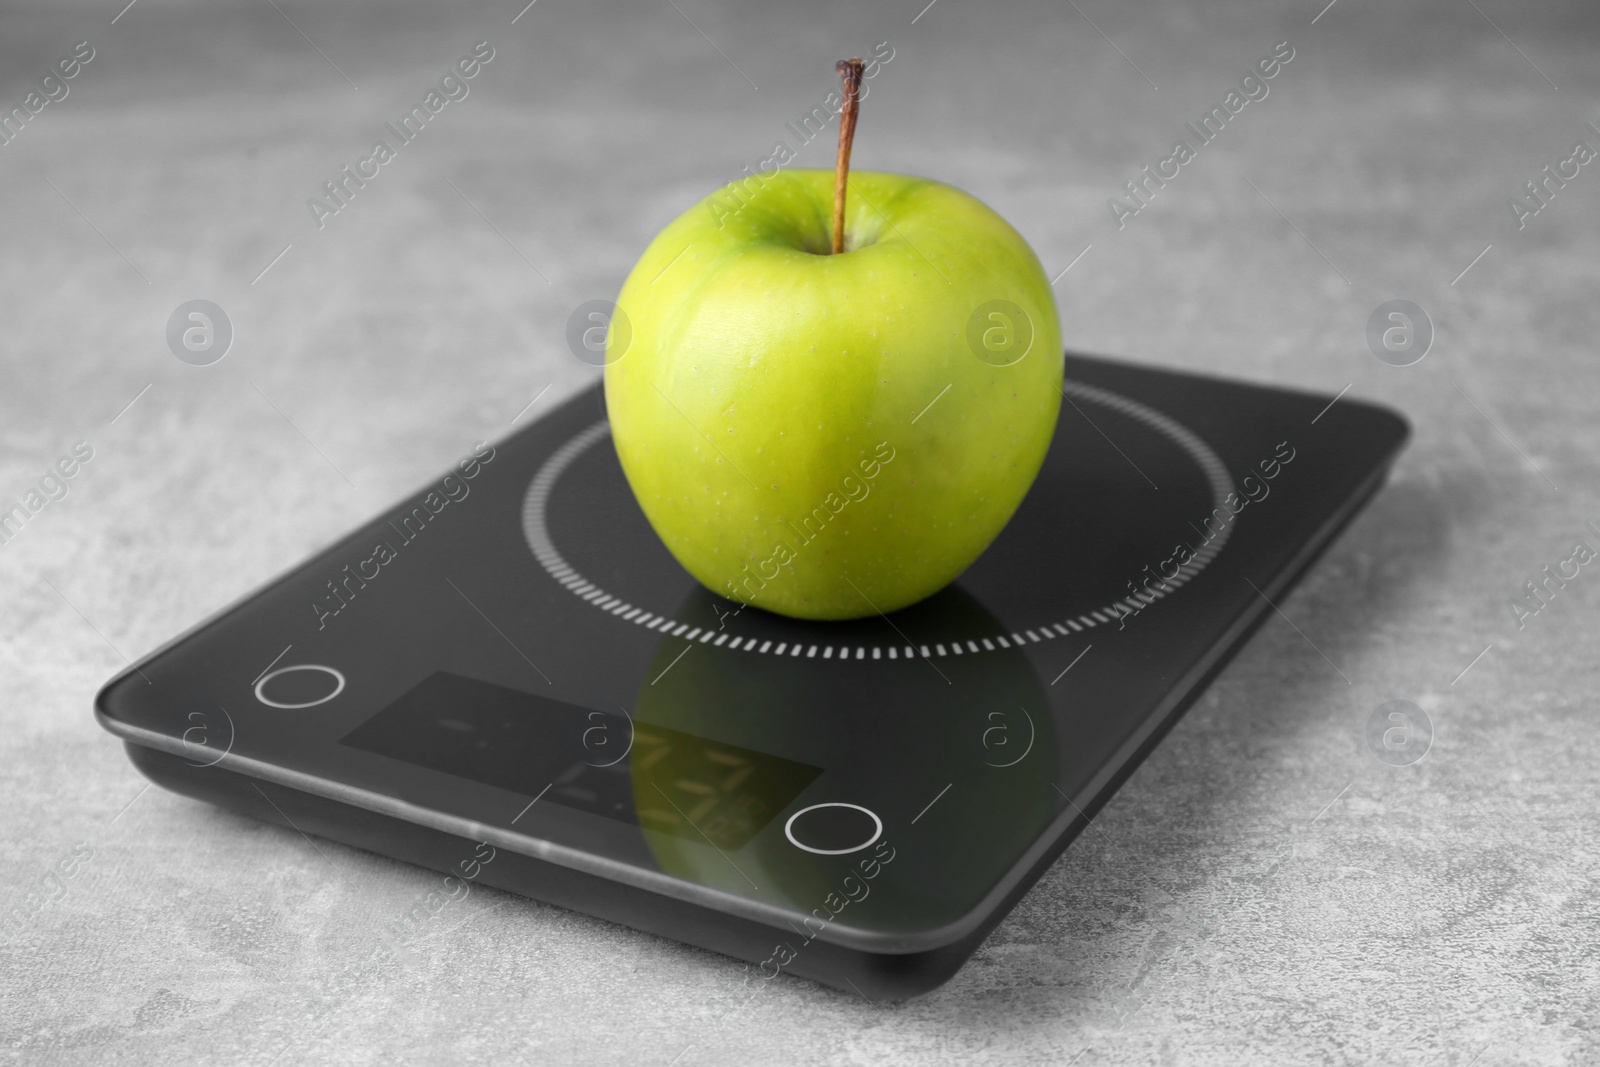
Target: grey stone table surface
x,y
1262,891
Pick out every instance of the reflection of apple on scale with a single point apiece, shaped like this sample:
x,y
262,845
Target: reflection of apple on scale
x,y
824,645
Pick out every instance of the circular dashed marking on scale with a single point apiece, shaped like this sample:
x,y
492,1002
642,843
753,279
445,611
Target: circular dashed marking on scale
x,y
536,530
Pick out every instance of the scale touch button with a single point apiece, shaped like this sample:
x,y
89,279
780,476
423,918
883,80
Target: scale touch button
x,y
833,829
303,685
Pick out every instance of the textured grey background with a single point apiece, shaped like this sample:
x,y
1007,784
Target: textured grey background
x,y
1263,891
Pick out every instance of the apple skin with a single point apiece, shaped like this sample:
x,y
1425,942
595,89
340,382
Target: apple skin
x,y
814,434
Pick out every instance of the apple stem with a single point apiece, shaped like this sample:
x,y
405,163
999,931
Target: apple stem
x,y
849,73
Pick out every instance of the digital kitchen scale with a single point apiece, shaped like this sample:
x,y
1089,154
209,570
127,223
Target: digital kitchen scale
x,y
509,679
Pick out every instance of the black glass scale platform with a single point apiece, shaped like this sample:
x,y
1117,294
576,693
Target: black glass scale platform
x,y
510,665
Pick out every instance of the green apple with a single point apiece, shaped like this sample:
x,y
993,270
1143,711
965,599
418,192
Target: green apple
x,y
828,436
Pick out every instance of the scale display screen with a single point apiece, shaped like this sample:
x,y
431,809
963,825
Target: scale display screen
x,y
603,763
